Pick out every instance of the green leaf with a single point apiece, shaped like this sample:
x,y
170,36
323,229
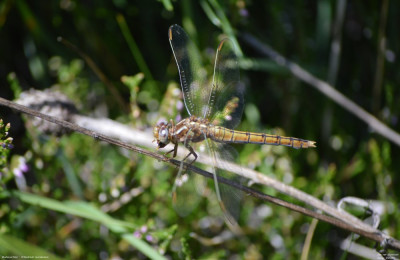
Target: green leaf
x,y
88,211
15,246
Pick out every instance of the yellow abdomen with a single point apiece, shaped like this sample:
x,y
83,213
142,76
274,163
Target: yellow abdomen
x,y
225,135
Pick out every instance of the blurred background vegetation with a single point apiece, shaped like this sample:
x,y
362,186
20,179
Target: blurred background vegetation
x,y
87,197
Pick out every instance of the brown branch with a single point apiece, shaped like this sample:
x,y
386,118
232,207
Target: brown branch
x,y
56,103
379,237
324,88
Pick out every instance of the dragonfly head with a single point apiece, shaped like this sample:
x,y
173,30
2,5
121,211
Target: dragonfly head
x,y
161,134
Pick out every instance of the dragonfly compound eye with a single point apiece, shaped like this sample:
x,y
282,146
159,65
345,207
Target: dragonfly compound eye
x,y
160,132
163,135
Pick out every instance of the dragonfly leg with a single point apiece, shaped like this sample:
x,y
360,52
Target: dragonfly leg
x,y
175,150
188,137
191,152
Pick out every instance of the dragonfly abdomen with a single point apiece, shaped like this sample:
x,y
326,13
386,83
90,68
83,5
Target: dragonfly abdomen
x,y
225,135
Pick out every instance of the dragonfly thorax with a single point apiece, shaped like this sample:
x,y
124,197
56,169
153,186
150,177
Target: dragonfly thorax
x,y
193,129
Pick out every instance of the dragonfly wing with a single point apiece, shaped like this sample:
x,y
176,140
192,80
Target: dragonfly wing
x,y
226,102
184,196
191,72
189,187
229,197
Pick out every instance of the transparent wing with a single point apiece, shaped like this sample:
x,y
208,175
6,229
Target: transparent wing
x,y
228,197
225,104
191,72
189,188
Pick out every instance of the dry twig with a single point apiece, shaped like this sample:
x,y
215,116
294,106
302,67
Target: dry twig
x,y
325,88
357,227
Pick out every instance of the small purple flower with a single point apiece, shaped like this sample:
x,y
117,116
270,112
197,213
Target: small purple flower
x,y
178,118
179,105
137,234
19,177
149,238
18,173
23,166
143,229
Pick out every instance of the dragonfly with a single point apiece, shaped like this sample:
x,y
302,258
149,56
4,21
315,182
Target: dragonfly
x,y
214,109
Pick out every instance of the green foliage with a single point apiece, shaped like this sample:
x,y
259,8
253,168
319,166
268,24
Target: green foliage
x,y
5,146
18,247
75,197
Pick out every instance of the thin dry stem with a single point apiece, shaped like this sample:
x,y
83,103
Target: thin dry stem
x,y
324,88
340,219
